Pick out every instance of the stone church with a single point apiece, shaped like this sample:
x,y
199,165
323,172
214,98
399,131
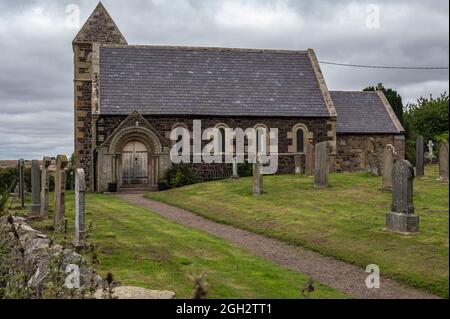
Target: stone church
x,y
128,98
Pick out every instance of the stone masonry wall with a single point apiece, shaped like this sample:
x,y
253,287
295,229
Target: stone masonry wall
x,y
163,125
351,150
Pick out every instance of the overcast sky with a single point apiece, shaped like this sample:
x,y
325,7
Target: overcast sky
x,y
36,78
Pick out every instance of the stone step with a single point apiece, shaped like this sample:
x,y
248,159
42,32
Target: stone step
x,y
137,189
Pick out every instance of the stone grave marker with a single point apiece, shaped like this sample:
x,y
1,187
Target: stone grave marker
x,y
443,161
35,207
45,187
322,165
402,217
420,168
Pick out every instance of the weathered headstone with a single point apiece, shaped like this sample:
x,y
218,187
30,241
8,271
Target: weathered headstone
x,y
298,164
402,218
388,164
420,169
60,189
80,206
45,186
22,183
322,165
258,187
235,169
373,167
35,207
309,159
443,161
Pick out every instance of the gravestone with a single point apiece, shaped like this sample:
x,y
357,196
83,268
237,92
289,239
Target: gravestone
x,y
420,169
235,169
309,160
45,187
430,154
60,189
35,207
322,165
22,183
80,206
402,218
443,161
373,167
298,164
388,164
258,188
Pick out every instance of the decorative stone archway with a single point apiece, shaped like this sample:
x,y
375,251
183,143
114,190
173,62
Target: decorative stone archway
x,y
111,161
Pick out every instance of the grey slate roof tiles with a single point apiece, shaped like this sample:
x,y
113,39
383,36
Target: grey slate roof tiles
x,y
361,112
198,81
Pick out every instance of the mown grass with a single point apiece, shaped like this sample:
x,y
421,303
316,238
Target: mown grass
x,y
145,250
345,221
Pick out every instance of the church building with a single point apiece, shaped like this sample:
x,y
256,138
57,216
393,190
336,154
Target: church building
x,y
128,98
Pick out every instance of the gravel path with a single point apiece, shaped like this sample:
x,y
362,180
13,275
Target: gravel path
x,y
329,271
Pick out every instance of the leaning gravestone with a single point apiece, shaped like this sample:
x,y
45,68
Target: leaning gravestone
x,y
45,187
309,159
22,183
35,207
322,165
60,189
80,206
420,169
443,161
388,164
402,218
257,178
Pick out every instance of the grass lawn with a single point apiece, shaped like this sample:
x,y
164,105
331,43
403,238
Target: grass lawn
x,y
345,221
145,250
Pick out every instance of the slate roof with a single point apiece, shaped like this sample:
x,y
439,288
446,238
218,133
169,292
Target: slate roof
x,y
362,112
208,81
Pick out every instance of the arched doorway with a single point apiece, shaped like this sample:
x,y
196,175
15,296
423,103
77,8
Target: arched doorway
x,y
135,163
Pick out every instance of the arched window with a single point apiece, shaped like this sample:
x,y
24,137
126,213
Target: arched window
x,y
300,135
222,140
300,141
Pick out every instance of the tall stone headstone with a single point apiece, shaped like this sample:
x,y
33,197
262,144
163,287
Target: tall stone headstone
x,y
373,167
80,206
420,164
22,183
402,217
45,187
60,189
258,187
443,161
35,207
388,164
235,169
322,165
309,159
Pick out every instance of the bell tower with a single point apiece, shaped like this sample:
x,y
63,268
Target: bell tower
x,y
99,28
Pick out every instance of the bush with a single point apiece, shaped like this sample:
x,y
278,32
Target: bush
x,y
181,175
245,169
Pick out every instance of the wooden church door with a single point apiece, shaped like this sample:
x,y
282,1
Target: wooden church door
x,y
135,163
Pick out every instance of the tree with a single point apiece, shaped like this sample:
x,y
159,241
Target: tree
x,y
428,117
394,99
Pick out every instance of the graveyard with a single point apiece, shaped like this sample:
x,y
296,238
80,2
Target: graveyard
x,y
346,220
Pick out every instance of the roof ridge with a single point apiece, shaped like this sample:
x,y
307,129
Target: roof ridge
x,y
200,48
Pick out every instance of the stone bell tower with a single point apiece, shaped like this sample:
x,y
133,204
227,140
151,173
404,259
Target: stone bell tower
x,y
99,28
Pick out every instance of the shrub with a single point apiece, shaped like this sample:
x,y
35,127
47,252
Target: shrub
x,y
245,169
181,175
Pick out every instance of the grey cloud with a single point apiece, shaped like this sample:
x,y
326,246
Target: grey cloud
x,y
36,88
